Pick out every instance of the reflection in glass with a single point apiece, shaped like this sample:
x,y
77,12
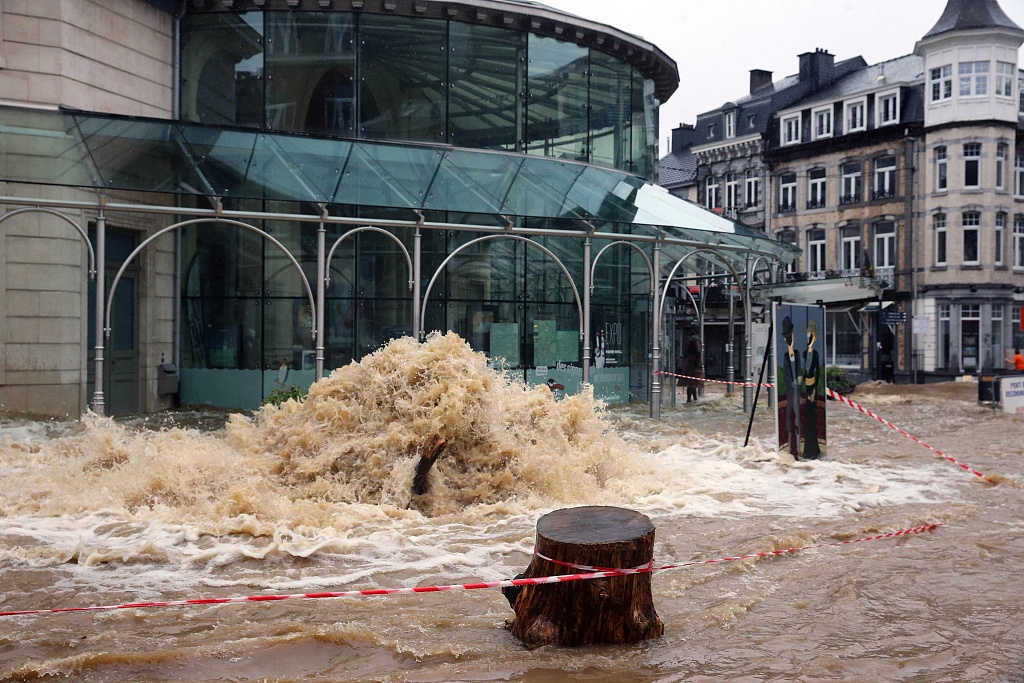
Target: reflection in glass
x,y
557,106
402,79
611,82
486,76
222,68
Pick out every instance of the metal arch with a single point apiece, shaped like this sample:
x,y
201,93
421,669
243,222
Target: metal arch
x,y
695,252
444,264
182,224
650,268
67,219
365,228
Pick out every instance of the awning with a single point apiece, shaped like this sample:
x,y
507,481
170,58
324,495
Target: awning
x,y
100,151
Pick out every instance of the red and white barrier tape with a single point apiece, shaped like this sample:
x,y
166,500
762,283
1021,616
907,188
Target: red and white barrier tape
x,y
843,399
537,581
713,381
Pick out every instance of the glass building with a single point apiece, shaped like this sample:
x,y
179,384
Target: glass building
x,y
341,173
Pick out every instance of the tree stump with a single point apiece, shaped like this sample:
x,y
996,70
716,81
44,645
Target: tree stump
x,y
615,610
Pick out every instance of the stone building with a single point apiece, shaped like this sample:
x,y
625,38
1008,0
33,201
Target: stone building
x,y
902,183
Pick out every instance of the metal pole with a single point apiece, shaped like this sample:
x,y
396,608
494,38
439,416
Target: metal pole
x,y
730,368
321,286
587,286
747,326
656,332
98,402
417,257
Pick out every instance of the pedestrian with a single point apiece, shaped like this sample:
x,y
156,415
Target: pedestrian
x,y
1018,361
692,366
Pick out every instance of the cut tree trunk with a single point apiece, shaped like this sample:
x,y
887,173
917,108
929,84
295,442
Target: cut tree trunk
x,y
420,483
617,609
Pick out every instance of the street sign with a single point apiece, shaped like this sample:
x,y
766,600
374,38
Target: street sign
x,y
894,317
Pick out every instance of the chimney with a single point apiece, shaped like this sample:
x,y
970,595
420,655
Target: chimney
x,y
682,137
759,78
816,66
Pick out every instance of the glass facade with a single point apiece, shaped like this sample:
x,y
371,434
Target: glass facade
x,y
398,78
247,321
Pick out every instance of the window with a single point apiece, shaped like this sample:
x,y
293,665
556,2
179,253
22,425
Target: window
x,y
996,328
1018,175
850,254
941,170
730,124
1004,79
1000,231
939,224
1001,151
788,236
887,106
822,123
972,164
791,129
971,222
851,183
885,178
732,191
944,337
753,188
816,251
973,79
942,82
855,116
712,130
712,196
816,188
885,244
751,120
1018,241
787,192
970,326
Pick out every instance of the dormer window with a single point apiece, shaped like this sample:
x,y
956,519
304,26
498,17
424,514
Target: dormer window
x,y
973,79
712,130
822,119
791,129
730,124
855,118
942,82
887,106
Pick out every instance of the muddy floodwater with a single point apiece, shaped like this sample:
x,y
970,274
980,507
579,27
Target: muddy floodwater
x,y
317,497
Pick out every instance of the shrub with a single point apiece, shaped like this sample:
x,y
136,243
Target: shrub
x,y
836,380
279,396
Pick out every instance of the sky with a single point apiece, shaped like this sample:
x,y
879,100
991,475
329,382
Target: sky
x,y
716,43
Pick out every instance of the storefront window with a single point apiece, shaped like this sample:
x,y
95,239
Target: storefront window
x,y
970,328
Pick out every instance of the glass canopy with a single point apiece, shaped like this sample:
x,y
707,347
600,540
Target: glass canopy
x,y
71,148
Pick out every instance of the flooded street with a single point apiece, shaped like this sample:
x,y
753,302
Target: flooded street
x,y
317,498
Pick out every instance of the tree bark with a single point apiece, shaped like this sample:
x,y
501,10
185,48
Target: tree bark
x,y
616,610
420,483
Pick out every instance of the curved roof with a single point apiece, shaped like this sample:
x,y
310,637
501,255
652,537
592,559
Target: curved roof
x,y
962,15
532,17
80,149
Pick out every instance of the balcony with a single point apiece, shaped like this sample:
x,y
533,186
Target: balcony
x,y
815,203
883,194
849,199
787,207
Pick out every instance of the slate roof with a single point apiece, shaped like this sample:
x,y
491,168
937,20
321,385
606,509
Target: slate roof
x,y
962,15
677,168
900,71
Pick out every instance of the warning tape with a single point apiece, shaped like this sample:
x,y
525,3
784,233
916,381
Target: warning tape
x,y
843,399
713,381
536,581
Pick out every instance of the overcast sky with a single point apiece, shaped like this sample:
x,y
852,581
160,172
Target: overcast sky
x,y
716,43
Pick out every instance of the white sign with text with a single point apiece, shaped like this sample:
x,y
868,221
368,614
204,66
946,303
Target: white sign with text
x,y
1012,390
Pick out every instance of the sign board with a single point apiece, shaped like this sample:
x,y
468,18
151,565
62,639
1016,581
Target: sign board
x,y
894,317
921,325
1011,391
800,380
1022,318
